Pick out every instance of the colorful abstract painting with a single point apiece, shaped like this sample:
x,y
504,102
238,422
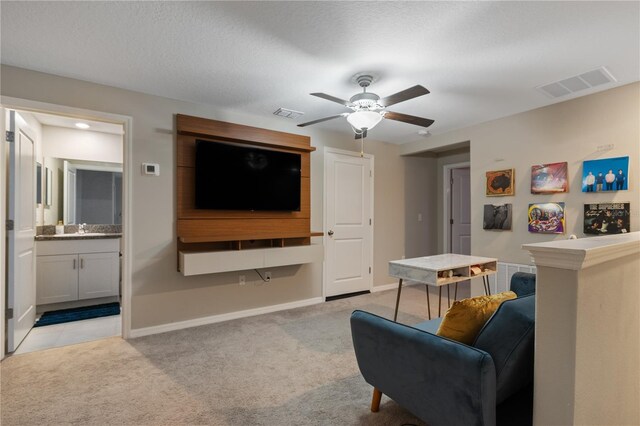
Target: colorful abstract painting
x,y
547,218
549,178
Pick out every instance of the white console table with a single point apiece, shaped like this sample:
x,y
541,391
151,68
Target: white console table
x,y
441,270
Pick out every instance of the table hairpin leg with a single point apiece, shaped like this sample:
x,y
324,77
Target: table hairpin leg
x,y
455,293
439,301
426,287
448,296
485,283
395,315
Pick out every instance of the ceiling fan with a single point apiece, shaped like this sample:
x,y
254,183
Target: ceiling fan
x,y
368,109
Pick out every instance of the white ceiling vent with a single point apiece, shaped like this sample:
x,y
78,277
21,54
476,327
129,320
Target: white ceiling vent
x,y
287,113
577,83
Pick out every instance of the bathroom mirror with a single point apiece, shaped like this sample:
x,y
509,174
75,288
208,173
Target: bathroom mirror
x,y
38,183
85,192
48,186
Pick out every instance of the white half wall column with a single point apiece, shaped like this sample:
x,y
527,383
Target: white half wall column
x,y
587,354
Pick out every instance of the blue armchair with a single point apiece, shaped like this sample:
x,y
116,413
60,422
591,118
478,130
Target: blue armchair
x,y
445,382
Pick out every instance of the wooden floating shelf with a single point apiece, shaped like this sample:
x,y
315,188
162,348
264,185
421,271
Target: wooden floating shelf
x,y
212,262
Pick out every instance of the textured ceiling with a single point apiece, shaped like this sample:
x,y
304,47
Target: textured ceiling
x,y
480,60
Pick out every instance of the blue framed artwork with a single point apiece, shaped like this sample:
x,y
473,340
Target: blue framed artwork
x,y
605,175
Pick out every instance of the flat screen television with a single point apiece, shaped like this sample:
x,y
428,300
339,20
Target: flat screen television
x,y
234,177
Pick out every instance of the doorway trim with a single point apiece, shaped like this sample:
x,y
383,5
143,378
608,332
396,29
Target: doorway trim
x,y
127,195
325,237
446,202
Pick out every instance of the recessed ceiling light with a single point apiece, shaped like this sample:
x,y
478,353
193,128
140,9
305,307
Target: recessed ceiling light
x,y
82,125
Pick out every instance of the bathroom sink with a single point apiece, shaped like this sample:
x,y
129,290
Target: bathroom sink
x,y
86,234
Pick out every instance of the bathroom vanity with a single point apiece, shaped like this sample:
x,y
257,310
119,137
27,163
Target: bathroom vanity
x,y
74,267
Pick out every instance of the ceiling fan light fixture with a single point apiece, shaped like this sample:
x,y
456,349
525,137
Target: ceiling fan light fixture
x,y
364,119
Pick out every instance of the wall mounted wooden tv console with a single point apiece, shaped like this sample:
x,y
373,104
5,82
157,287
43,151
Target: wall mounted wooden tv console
x,y
216,230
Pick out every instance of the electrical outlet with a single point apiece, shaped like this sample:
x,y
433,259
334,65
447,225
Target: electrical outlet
x,y
243,280
267,276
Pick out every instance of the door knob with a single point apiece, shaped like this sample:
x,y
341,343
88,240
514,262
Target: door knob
x,y
330,232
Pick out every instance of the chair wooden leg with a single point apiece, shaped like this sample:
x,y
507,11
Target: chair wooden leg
x,y
375,401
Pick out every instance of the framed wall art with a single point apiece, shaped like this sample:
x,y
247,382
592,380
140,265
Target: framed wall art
x,y
497,217
500,182
546,218
549,178
607,218
605,175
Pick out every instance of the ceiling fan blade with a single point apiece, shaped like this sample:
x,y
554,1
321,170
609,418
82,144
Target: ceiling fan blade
x,y
333,99
320,120
411,119
405,95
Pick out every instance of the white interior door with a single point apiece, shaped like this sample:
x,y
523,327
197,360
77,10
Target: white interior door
x,y
460,211
21,286
348,223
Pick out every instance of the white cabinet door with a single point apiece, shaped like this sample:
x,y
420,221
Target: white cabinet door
x,y
98,275
57,278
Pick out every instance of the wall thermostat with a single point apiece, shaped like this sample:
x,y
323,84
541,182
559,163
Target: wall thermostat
x,y
151,169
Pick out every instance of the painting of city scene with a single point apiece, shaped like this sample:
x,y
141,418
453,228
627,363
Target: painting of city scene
x,y
547,218
497,217
606,218
607,174
500,182
549,178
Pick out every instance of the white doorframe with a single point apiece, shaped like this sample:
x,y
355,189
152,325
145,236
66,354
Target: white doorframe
x,y
3,187
324,211
446,202
127,193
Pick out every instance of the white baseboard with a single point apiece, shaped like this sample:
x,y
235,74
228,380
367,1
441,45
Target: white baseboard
x,y
392,286
384,287
139,332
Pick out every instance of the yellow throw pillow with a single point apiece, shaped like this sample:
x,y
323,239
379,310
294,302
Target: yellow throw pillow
x,y
465,318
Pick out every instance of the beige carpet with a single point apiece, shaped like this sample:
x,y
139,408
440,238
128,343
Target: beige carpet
x,y
288,368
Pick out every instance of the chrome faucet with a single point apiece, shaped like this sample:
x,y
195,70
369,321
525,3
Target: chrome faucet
x,y
81,228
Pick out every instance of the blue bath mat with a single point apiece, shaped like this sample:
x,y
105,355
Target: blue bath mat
x,y
77,314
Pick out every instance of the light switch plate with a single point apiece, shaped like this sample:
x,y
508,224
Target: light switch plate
x,y
152,169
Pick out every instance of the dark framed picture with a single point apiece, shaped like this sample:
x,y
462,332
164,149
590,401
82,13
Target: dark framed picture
x,y
607,218
497,217
549,178
605,175
547,218
500,182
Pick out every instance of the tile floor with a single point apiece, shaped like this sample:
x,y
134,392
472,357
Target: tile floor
x,y
53,336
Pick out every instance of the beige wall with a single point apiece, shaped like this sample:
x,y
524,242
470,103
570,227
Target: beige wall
x,y
568,131
421,183
160,294
73,144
